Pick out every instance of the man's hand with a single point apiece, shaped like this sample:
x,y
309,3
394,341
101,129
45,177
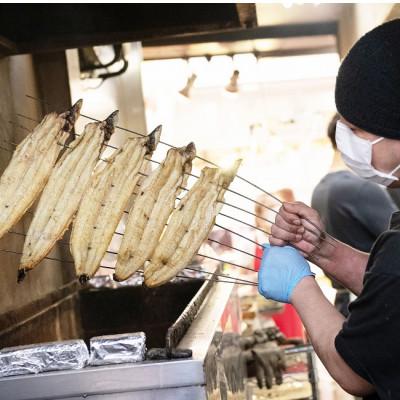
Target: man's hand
x,y
301,226
282,268
269,363
297,224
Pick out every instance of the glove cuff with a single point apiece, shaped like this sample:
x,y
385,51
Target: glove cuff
x,y
291,288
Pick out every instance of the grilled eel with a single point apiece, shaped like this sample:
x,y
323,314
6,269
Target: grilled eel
x,y
31,165
189,225
63,192
104,202
151,210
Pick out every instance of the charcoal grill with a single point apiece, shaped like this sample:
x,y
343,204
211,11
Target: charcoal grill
x,y
183,314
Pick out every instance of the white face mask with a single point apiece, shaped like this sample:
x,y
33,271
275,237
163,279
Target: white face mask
x,y
357,155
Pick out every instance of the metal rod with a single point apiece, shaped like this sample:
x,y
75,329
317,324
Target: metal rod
x,y
45,258
252,241
241,280
225,215
119,233
226,262
224,276
211,279
112,268
116,253
242,222
324,237
146,175
234,248
254,227
246,211
307,348
198,157
238,234
211,240
208,279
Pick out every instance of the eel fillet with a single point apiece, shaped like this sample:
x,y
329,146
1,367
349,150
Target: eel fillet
x,y
189,225
63,192
151,210
31,165
104,202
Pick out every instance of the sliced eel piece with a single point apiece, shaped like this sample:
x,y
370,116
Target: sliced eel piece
x,y
150,212
104,202
63,192
189,225
31,165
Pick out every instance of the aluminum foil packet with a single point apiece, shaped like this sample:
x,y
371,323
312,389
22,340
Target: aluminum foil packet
x,y
101,281
42,357
117,349
106,281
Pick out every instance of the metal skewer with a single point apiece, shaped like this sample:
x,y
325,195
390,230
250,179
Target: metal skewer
x,y
234,248
224,276
116,253
198,157
234,279
227,216
211,279
257,244
186,189
119,233
226,262
321,236
206,279
230,217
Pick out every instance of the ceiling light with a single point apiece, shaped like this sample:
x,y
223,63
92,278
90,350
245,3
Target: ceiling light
x,y
189,84
233,83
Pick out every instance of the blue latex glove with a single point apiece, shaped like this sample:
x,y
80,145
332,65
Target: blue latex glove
x,y
282,268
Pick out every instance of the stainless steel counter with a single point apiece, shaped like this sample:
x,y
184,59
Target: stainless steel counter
x,y
137,380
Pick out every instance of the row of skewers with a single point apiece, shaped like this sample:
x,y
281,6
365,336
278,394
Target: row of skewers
x,y
74,184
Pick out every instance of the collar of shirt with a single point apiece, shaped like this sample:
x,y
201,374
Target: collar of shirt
x,y
395,221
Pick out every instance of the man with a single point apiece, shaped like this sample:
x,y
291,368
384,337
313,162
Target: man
x,y
340,200
362,353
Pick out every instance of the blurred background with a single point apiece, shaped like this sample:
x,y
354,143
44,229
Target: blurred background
x,y
249,81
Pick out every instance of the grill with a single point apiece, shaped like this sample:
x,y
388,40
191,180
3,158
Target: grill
x,y
183,314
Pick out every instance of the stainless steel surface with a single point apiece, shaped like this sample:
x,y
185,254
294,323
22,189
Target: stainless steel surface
x,y
107,381
178,329
299,349
181,393
201,332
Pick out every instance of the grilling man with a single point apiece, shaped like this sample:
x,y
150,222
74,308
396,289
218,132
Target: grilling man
x,y
362,353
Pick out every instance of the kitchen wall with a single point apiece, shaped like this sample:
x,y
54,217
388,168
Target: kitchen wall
x,y
359,18
19,301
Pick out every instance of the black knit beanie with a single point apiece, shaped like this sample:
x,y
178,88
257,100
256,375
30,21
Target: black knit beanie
x,y
368,83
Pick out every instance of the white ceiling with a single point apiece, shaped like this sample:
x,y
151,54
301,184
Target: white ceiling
x,y
284,13
291,13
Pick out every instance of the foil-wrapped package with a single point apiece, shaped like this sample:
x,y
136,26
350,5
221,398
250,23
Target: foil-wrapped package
x,y
106,281
101,281
134,280
117,349
42,357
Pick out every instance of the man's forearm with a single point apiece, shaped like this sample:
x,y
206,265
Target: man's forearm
x,y
341,262
313,308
